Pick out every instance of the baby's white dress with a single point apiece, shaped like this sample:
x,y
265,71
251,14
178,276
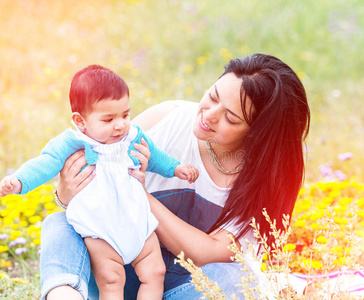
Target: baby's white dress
x,y
113,206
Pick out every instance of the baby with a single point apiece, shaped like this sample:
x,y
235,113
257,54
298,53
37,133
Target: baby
x,y
112,212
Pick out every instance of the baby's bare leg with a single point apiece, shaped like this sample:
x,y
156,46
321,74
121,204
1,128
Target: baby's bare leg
x,y
150,268
108,268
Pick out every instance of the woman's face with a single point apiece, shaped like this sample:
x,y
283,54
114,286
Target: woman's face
x,y
220,118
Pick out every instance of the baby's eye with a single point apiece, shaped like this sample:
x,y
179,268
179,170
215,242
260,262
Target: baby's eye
x,y
125,116
107,120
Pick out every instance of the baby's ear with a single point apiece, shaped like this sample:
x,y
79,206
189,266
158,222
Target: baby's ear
x,y
79,121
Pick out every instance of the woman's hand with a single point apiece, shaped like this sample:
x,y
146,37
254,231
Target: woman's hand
x,y
71,180
143,156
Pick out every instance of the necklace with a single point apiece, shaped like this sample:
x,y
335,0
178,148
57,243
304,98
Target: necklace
x,y
217,163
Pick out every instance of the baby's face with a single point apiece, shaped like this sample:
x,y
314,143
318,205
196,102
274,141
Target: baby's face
x,y
109,120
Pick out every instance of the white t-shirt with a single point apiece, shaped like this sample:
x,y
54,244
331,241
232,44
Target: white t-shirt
x,y
199,203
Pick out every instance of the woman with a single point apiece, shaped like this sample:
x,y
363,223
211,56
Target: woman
x,y
245,137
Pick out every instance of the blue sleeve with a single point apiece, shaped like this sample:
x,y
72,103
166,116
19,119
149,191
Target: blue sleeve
x,y
160,162
43,168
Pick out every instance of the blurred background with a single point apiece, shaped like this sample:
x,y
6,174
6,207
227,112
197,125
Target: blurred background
x,y
175,49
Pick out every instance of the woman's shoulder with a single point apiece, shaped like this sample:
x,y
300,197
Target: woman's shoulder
x,y
154,114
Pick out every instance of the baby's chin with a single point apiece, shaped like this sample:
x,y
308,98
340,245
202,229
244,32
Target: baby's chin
x,y
114,139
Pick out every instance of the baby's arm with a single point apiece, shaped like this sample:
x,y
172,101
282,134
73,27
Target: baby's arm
x,y
186,172
43,168
9,185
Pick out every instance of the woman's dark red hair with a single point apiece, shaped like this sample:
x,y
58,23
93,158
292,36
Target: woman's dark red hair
x,y
273,169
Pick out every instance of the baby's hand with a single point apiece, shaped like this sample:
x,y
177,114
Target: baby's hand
x,y
9,185
186,172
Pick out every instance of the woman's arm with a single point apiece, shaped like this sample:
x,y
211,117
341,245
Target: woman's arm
x,y
71,180
174,233
177,235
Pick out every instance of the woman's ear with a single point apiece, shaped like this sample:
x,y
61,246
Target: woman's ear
x,y
79,121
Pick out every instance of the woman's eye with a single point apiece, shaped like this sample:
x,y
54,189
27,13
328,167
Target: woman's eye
x,y
212,98
227,119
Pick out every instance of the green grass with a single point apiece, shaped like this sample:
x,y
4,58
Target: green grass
x,y
170,49
176,49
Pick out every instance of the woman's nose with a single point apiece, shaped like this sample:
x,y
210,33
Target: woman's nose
x,y
212,114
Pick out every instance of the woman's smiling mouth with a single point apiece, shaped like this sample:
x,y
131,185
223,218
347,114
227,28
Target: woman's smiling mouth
x,y
203,125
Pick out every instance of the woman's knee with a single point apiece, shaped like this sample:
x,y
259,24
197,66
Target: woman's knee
x,y
54,219
63,252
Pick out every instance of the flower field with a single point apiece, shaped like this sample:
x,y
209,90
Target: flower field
x,y
20,228
176,49
326,234
328,227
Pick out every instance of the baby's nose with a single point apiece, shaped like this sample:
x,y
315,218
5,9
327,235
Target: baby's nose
x,y
119,125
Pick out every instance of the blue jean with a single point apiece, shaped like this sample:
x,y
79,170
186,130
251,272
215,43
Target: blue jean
x,y
64,260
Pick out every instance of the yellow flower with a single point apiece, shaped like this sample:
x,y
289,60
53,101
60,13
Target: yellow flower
x,y
23,223
188,90
177,81
128,64
340,261
338,250
344,201
360,203
49,206
135,72
148,93
20,280
46,199
316,216
5,263
289,247
35,219
339,209
321,239
7,221
29,212
314,226
360,213
15,234
301,75
300,223
15,226
334,194
48,188
3,248
360,233
201,60
321,205
36,241
188,69
316,264
114,59
225,53
263,267
340,221
328,200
